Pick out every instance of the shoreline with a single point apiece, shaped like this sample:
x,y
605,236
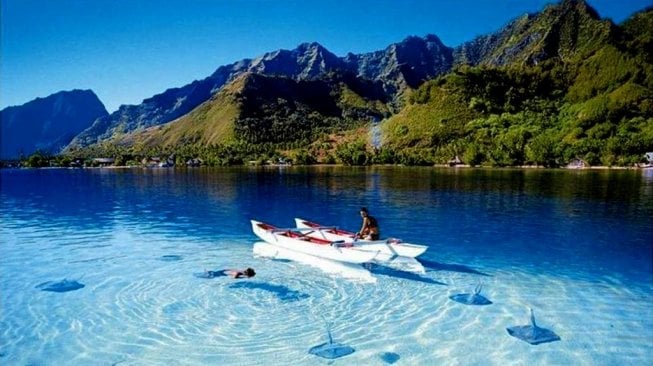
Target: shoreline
x,y
440,166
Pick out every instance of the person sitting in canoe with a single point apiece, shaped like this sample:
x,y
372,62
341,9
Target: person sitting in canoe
x,y
370,228
234,273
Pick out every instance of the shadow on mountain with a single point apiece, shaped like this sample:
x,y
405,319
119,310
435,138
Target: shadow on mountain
x,y
435,266
387,271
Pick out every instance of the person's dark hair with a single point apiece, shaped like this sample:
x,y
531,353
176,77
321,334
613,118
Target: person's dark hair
x,y
364,209
249,272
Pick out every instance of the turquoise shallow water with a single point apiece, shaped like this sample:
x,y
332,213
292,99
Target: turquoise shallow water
x,y
574,246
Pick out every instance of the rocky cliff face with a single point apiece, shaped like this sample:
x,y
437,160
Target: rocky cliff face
x,y
404,64
47,124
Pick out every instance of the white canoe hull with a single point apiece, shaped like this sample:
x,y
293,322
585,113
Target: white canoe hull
x,y
311,246
386,249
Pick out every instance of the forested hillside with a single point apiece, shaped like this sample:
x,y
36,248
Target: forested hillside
x,y
594,103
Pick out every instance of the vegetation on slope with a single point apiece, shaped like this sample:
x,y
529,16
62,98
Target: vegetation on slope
x,y
545,115
597,108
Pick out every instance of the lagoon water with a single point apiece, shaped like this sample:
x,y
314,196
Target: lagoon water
x,y
575,246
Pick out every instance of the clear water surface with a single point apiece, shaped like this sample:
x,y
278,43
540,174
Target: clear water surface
x,y
575,246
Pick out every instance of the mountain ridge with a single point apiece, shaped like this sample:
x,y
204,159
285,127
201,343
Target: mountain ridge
x,y
568,33
307,61
47,124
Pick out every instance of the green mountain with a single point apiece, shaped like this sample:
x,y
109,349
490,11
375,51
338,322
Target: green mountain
x,y
547,88
554,86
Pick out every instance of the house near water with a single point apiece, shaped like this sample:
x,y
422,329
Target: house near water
x,y
455,161
649,161
577,163
103,162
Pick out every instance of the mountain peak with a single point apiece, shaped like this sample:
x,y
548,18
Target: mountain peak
x,y
306,46
570,29
579,7
429,38
74,93
432,38
307,60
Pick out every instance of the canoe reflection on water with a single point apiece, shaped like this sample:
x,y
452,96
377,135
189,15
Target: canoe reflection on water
x,y
363,273
342,269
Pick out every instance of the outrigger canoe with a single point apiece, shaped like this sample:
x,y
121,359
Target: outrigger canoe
x,y
294,239
387,249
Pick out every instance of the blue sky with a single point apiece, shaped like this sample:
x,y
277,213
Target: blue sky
x,y
129,50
